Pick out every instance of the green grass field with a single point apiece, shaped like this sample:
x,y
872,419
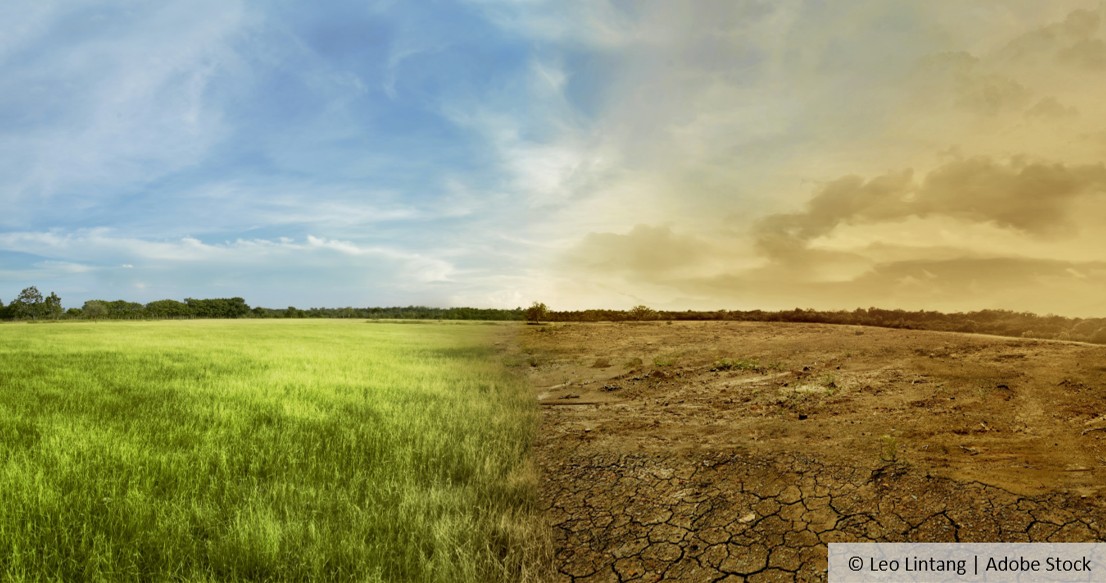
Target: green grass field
x,y
275,450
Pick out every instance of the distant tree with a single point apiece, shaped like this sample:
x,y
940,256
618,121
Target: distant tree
x,y
30,303
124,310
74,312
639,313
52,306
537,312
95,309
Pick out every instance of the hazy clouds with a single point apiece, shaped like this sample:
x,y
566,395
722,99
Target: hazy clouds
x,y
921,155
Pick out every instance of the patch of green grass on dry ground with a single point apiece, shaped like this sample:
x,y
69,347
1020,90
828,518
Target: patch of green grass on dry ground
x,y
275,450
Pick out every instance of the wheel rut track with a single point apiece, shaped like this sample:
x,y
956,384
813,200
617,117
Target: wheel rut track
x,y
746,517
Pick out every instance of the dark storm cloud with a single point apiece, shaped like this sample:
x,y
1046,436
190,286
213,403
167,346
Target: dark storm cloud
x,y
1034,198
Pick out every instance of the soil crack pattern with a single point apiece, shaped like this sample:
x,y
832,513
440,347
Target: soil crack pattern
x,y
741,517
738,451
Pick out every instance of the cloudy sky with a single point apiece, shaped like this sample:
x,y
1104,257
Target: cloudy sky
x,y
936,154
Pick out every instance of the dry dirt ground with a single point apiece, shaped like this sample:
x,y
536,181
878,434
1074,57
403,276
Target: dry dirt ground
x,y
660,460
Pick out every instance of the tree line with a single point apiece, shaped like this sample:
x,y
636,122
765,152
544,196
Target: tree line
x,y
32,305
994,322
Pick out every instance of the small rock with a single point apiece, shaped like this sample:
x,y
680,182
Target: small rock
x,y
748,517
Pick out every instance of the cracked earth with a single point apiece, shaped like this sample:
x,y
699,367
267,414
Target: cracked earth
x,y
713,451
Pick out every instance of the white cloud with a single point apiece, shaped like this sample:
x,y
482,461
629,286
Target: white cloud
x,y
401,269
143,108
63,267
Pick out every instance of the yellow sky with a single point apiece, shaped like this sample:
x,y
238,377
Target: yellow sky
x,y
922,155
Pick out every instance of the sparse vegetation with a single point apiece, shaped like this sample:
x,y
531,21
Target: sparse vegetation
x,y
741,364
667,360
895,409
996,322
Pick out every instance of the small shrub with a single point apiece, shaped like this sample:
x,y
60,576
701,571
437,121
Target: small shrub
x,y
601,363
889,449
632,363
664,360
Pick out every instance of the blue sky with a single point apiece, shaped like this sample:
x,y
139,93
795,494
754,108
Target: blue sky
x,y
277,151
601,153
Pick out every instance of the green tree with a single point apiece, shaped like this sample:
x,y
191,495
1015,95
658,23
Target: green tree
x,y
167,309
52,306
537,312
124,310
95,309
30,303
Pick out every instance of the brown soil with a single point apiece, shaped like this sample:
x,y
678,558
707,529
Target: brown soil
x,y
679,469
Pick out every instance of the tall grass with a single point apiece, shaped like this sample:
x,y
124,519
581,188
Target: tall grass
x,y
285,450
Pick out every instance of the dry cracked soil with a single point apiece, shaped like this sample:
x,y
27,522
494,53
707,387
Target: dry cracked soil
x,y
731,451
